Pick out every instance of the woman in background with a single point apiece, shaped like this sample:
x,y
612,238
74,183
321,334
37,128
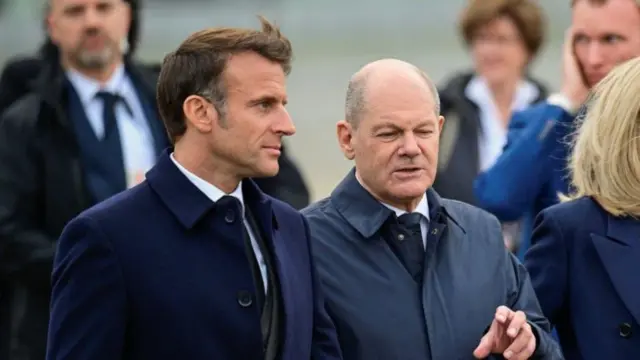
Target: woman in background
x,y
503,38
584,260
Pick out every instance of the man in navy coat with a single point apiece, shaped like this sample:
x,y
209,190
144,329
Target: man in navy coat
x,y
409,275
196,262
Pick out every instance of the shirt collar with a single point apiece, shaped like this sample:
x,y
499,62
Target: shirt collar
x,y
422,207
478,91
87,88
365,213
210,190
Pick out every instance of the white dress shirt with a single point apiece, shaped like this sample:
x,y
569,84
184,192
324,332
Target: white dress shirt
x,y
213,193
493,136
136,139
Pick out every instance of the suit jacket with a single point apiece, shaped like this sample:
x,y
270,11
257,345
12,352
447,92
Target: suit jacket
x,y
42,187
160,272
381,313
585,268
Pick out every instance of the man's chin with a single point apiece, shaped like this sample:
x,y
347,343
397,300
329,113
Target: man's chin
x,y
267,170
94,60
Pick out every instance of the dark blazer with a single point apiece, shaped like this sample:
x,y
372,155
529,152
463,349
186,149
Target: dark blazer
x,y
585,268
381,313
157,273
42,187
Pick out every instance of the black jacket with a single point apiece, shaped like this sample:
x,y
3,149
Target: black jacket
x,y
41,189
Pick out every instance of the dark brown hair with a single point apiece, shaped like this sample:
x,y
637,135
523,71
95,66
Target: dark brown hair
x,y
197,67
527,15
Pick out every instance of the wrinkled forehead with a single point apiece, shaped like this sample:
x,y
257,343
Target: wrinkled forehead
x,y
402,109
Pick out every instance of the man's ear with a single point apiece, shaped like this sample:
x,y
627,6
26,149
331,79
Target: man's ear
x,y
199,113
345,139
440,123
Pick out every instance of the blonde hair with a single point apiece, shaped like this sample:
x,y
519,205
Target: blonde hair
x,y
605,160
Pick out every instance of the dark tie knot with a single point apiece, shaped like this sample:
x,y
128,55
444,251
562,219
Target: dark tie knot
x,y
410,219
110,100
108,97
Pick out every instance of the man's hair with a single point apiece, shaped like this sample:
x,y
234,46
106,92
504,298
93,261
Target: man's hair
x,y
527,15
197,68
605,159
356,99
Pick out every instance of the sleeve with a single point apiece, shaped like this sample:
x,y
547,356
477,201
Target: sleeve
x,y
26,252
546,261
510,187
14,80
523,298
88,301
325,344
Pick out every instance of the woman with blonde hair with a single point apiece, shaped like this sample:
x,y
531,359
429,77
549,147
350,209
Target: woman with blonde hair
x,y
584,260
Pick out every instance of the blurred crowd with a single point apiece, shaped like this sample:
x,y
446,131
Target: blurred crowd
x,y
504,146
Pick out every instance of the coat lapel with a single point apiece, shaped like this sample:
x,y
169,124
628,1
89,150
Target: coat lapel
x,y
619,251
266,219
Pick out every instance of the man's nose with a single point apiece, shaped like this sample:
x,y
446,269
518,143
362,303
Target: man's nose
x,y
284,124
409,145
595,54
92,18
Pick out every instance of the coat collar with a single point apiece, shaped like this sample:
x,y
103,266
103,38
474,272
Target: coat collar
x,y
624,229
365,213
188,203
619,252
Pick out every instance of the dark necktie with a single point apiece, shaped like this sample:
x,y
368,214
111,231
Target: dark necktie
x,y
110,142
235,204
110,100
410,244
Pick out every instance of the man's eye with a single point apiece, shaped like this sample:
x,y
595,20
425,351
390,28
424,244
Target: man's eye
x,y
611,39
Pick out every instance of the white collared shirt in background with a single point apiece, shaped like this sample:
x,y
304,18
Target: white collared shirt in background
x,y
136,139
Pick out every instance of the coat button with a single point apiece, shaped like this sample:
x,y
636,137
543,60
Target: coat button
x,y
400,237
230,216
245,299
625,330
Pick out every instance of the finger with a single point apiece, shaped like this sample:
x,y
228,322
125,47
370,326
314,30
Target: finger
x,y
503,314
568,38
487,341
517,322
519,348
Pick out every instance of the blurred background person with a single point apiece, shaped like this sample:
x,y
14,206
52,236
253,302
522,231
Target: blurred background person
x,y
503,38
86,129
531,171
584,258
